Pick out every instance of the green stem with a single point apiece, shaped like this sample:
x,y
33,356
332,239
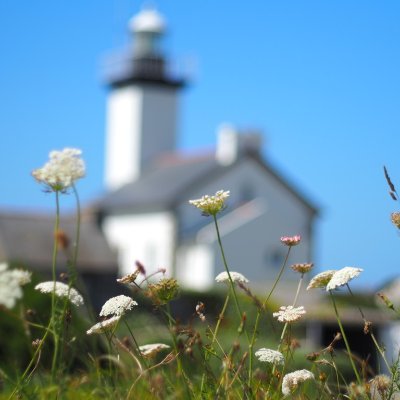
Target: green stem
x,y
232,285
207,356
381,352
345,338
253,339
53,295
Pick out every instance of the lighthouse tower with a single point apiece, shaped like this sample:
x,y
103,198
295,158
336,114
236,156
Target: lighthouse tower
x,y
142,103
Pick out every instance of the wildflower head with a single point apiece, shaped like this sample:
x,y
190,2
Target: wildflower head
x,y
118,305
302,268
270,356
211,205
235,276
164,291
62,170
321,280
150,350
342,277
61,290
129,278
11,281
395,217
292,381
380,384
289,313
291,240
103,326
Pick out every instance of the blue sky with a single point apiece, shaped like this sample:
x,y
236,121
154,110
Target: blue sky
x,y
320,79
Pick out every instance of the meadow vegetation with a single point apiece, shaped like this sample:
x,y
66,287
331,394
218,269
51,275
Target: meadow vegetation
x,y
233,344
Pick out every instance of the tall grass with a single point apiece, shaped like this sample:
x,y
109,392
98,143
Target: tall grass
x,y
152,354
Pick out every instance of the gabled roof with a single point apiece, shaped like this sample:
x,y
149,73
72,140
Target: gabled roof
x,y
27,238
173,178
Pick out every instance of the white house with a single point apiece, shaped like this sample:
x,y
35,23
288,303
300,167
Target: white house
x,y
145,214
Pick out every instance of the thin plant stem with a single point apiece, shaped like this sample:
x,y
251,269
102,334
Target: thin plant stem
x,y
259,311
287,323
381,352
207,356
345,338
181,372
232,285
53,295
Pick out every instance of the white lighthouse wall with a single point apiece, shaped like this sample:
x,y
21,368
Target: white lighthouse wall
x,y
148,238
124,120
159,126
141,123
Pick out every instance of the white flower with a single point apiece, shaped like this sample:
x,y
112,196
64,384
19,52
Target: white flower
x,y
270,356
211,205
321,280
150,350
236,277
62,170
289,313
342,277
10,285
117,306
105,325
291,381
61,290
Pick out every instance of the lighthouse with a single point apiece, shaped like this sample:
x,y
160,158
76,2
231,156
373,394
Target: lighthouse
x,y
142,104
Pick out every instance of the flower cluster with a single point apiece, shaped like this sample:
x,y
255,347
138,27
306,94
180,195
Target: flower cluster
x,y
235,276
270,356
342,277
291,381
62,170
117,306
291,240
395,217
211,205
61,290
289,313
11,281
163,291
332,279
302,268
321,280
105,325
150,350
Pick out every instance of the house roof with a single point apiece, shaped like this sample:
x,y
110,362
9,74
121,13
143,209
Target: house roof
x,y
27,238
174,177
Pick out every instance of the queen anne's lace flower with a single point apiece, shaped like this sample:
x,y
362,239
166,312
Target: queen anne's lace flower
x,y
321,280
291,381
211,205
62,170
61,290
105,325
289,313
150,350
342,277
270,356
10,285
117,306
236,277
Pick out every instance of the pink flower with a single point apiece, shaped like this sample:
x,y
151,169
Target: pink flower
x,y
291,240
